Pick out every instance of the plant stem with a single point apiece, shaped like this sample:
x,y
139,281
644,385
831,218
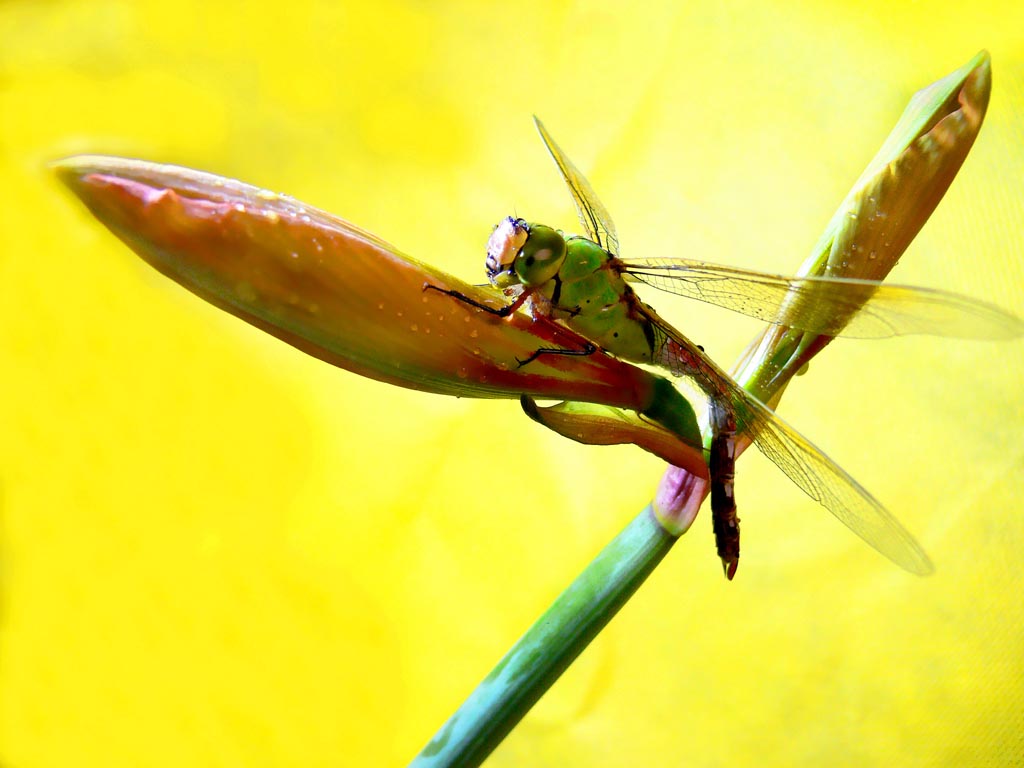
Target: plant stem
x,y
549,646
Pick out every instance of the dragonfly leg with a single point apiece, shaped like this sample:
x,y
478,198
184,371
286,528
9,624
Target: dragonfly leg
x,y
499,311
722,466
588,349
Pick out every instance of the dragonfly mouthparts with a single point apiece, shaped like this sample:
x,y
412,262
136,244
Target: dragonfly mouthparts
x,y
504,245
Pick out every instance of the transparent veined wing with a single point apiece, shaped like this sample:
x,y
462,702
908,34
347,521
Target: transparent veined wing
x,y
828,305
597,223
812,471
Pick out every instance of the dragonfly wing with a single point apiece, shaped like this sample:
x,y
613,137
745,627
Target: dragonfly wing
x,y
813,472
596,221
828,305
829,484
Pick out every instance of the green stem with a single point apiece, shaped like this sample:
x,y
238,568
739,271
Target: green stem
x,y
549,646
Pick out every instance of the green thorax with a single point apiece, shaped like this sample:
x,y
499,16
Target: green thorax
x,y
589,295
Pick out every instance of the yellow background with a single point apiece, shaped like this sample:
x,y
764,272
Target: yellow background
x,y
217,551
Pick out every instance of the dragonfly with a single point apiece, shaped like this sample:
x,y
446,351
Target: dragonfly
x,y
583,282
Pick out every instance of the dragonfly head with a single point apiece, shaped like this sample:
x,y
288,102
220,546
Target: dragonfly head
x,y
505,243
523,253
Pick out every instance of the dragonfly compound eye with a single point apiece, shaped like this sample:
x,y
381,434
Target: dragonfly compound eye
x,y
541,255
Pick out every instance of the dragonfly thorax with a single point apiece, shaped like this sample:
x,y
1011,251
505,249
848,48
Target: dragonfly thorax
x,y
522,253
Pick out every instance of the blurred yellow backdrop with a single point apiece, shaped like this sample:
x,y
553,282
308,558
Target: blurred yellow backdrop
x,y
217,551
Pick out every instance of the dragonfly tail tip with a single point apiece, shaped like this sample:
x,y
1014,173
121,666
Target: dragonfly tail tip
x,y
729,566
